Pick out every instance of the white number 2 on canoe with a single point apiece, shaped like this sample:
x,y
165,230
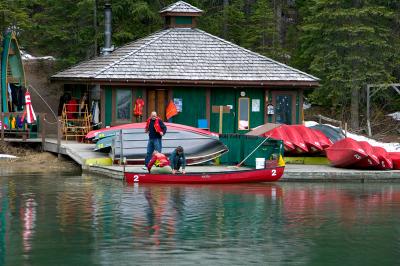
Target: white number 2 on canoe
x,y
135,178
273,172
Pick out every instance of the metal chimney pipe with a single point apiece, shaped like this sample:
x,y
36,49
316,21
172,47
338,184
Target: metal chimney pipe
x,y
107,29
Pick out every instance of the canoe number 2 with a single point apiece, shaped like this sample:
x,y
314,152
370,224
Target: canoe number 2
x,y
135,178
273,172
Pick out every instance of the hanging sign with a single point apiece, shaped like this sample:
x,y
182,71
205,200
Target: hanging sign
x,y
255,105
178,104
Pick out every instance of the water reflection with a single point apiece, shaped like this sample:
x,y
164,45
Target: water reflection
x,y
29,218
107,222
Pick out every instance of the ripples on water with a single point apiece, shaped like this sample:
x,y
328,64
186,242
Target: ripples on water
x,y
87,220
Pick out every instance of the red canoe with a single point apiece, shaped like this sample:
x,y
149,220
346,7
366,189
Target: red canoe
x,y
280,134
384,160
395,157
371,161
310,139
323,140
223,177
295,138
345,153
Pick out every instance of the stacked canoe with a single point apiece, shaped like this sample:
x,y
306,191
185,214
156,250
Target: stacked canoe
x,y
299,139
349,153
342,152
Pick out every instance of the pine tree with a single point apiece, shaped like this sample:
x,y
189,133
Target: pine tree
x,y
347,44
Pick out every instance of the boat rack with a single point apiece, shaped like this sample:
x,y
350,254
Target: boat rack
x,y
75,121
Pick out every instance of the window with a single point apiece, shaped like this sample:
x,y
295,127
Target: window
x,y
183,20
244,114
124,105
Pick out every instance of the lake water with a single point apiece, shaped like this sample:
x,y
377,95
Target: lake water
x,y
65,219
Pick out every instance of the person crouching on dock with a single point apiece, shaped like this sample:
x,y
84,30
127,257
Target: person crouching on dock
x,y
178,160
159,164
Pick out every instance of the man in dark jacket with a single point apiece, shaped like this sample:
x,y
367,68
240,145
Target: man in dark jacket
x,y
156,129
177,160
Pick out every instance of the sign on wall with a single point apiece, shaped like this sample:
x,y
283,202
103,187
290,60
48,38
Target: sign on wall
x,y
178,104
255,105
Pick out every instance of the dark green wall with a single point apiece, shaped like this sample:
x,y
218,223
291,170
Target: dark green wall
x,y
224,96
230,96
108,106
193,105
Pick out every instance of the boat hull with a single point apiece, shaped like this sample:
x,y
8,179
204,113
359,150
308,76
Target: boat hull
x,y
280,134
395,157
198,148
12,69
323,140
296,138
310,139
385,163
345,153
371,161
227,177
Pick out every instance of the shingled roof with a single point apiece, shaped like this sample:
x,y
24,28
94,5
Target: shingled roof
x,y
181,7
186,56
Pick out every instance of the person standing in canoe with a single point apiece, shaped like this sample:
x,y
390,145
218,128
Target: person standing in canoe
x,y
156,129
178,160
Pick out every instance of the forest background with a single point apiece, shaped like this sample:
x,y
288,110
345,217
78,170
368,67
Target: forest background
x,y
346,43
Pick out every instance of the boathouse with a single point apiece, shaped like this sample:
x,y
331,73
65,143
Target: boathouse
x,y
205,76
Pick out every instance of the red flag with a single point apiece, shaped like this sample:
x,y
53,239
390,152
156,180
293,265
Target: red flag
x,y
171,110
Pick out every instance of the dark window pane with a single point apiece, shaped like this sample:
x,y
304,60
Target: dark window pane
x,y
124,103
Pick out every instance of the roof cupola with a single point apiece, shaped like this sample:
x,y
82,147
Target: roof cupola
x,y
180,15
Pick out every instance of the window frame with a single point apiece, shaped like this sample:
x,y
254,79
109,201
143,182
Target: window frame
x,y
248,113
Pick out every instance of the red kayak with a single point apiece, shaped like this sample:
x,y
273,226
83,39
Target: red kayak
x,y
310,139
345,153
296,138
371,161
223,177
385,162
280,134
395,157
323,140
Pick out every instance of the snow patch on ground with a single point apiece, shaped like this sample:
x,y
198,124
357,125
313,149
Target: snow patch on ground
x,y
395,116
26,56
7,156
390,147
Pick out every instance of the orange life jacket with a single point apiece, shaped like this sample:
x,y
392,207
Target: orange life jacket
x,y
138,109
157,126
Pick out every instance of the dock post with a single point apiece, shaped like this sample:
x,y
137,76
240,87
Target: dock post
x,y
58,138
121,155
2,126
42,121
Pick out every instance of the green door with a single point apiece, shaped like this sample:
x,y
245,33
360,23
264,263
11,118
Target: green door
x,y
225,97
284,103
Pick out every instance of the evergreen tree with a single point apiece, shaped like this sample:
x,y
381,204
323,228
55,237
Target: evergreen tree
x,y
261,35
347,44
